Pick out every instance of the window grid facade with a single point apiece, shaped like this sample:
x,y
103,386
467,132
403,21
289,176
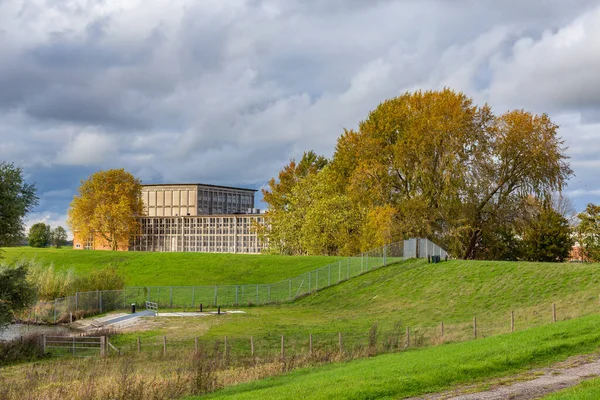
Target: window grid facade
x,y
204,233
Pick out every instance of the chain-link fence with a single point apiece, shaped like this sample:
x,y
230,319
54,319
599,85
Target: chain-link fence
x,y
183,297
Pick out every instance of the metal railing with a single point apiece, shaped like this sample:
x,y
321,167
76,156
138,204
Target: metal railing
x,y
101,301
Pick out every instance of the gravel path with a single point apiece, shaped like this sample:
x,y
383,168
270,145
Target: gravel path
x,y
523,387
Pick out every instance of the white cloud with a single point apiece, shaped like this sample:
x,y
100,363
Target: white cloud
x,y
88,148
228,92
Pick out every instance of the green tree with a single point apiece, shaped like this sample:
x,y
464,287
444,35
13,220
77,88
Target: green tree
x,y
588,232
40,235
17,198
108,204
16,294
547,237
59,237
430,164
453,171
287,207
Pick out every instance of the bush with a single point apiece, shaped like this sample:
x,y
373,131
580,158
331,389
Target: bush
x,y
51,284
107,278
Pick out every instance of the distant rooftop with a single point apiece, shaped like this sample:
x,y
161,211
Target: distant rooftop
x,y
198,184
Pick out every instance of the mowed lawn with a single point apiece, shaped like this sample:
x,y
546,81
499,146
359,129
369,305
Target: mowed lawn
x,y
416,372
410,294
184,269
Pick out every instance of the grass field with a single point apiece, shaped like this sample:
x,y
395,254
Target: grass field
x,y
429,370
398,375
166,269
412,293
588,390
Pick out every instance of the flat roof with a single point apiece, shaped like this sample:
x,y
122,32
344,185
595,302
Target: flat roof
x,y
199,184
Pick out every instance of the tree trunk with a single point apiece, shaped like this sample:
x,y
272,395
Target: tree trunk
x,y
470,252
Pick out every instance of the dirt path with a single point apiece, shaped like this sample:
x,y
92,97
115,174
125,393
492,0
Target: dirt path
x,y
530,385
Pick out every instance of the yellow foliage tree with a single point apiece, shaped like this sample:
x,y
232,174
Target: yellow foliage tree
x,y
108,204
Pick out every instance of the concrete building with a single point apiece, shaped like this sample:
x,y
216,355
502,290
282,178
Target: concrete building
x,y
172,200
229,233
193,218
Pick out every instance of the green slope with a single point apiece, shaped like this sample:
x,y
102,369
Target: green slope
x,y
434,369
155,269
414,294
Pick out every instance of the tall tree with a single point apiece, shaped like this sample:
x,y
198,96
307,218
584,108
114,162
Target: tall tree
x,y
588,232
108,205
59,237
40,235
17,198
434,164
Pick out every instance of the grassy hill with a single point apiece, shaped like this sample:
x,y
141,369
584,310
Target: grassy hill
x,y
414,294
155,269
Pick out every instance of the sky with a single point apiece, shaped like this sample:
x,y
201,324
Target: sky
x,y
227,92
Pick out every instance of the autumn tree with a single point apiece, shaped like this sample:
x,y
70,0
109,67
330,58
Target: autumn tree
x,y
107,205
17,198
40,235
588,232
434,164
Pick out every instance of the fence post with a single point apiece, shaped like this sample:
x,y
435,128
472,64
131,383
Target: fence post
x,y
196,344
339,271
309,282
367,263
475,327
290,286
269,293
70,317
193,296
139,344
73,347
340,343
55,311
100,302
164,345
384,254
442,329
171,297
236,294
317,280
553,312
43,344
329,275
310,346
257,293
252,345
348,274
282,347
407,336
512,321
225,348
215,302
76,301
102,346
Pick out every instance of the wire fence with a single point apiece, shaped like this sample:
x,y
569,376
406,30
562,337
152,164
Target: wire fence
x,y
190,297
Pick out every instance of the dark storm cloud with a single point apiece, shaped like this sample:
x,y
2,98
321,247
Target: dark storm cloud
x,y
228,92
